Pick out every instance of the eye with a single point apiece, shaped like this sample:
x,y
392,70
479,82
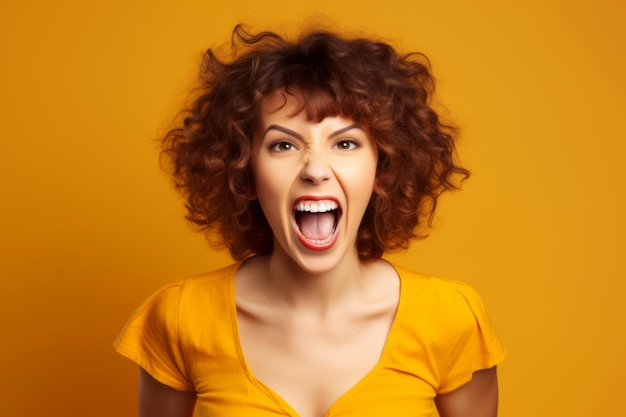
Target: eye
x,y
347,145
282,146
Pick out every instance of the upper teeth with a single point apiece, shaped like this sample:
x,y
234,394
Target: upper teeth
x,y
317,207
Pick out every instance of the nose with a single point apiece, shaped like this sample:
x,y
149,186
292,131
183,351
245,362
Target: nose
x,y
315,170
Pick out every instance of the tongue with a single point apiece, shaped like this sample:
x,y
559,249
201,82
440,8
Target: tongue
x,y
316,226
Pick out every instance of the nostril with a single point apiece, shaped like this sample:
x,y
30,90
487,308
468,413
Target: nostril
x,y
315,172
315,180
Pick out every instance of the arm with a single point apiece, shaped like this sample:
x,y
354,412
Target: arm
x,y
477,398
159,400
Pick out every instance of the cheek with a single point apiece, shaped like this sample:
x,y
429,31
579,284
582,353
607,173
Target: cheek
x,y
271,187
361,174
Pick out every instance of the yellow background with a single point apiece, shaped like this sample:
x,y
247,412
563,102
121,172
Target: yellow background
x,y
90,226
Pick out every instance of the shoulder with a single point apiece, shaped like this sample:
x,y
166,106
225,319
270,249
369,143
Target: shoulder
x,y
451,307
435,289
445,321
221,277
185,294
206,290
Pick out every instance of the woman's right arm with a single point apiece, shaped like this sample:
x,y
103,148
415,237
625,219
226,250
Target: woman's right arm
x,y
159,400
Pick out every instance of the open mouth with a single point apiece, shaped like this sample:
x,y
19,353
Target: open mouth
x,y
316,222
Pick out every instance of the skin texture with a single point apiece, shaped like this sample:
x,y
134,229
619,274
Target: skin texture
x,y
293,157
477,398
295,305
307,311
158,400
295,336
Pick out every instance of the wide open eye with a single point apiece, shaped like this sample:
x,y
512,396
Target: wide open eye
x,y
347,145
282,146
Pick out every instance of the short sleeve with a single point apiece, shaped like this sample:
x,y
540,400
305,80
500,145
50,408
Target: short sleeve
x,y
468,341
151,338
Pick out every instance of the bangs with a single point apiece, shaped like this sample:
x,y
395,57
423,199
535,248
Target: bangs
x,y
316,102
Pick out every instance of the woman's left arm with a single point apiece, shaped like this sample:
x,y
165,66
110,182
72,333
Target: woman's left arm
x,y
477,398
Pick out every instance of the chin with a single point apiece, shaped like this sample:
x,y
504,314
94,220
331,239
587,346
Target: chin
x,y
317,262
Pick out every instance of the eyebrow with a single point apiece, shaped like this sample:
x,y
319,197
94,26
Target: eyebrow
x,y
299,136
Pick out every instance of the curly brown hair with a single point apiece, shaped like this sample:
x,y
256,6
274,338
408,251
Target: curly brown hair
x,y
362,79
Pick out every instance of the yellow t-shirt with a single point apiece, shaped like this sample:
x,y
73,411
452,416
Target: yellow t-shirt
x,y
186,337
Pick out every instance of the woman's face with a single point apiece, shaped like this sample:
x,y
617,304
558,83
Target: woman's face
x,y
313,180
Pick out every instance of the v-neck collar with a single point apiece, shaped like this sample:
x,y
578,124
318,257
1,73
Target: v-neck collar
x,y
281,402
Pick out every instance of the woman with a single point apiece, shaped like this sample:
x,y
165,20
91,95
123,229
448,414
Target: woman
x,y
308,160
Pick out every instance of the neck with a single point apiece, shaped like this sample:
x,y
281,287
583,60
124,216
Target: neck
x,y
317,292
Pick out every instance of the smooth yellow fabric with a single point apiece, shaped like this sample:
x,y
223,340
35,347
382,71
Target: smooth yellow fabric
x,y
186,336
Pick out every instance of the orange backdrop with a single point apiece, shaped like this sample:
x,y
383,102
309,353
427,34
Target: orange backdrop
x,y
90,226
